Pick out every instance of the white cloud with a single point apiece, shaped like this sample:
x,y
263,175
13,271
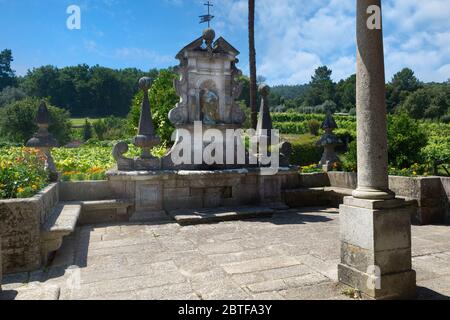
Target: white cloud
x,y
295,36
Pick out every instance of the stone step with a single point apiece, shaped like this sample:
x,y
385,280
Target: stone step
x,y
106,204
205,216
150,216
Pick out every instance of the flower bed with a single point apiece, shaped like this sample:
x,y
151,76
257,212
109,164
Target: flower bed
x,y
22,172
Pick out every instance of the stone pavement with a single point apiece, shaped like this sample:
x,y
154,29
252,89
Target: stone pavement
x,y
292,255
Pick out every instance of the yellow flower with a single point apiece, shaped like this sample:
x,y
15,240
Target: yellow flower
x,y
34,187
414,173
20,190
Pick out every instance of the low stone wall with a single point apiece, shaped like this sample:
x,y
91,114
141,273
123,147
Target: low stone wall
x,y
20,227
201,189
429,194
446,197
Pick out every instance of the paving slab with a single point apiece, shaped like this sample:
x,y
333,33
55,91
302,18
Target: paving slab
x,y
291,255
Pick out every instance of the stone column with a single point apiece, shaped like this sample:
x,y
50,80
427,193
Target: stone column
x,y
371,107
375,227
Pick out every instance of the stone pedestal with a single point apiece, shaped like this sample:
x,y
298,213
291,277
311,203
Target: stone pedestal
x,y
375,227
376,248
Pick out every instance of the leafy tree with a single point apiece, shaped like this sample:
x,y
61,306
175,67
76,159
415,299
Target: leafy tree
x,y
7,75
321,88
86,91
402,84
10,95
162,98
416,103
17,121
406,140
346,94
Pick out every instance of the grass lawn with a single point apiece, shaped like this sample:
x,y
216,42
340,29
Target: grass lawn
x,y
79,122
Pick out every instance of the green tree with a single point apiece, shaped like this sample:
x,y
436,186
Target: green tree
x,y
321,88
401,86
17,121
10,95
346,94
163,98
406,140
7,75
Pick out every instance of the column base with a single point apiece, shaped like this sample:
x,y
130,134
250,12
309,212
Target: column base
x,y
395,286
373,194
376,248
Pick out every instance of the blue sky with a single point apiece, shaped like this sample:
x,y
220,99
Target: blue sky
x,y
293,36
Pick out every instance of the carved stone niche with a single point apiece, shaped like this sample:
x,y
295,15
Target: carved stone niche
x,y
208,90
207,83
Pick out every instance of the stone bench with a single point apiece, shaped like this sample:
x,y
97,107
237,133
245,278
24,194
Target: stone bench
x,y
332,196
103,211
61,222
316,197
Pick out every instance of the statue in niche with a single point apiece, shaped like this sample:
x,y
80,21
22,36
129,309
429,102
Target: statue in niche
x,y
209,105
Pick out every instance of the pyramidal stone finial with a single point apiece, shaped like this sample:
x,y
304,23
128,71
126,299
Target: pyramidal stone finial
x,y
44,141
42,138
146,138
264,126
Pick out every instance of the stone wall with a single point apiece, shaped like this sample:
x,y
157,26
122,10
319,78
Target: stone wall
x,y
200,189
446,197
20,226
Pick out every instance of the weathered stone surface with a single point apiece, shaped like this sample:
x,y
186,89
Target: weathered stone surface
x,y
190,217
21,220
125,261
60,223
376,239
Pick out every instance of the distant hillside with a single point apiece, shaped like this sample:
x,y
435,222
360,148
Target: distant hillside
x,y
290,92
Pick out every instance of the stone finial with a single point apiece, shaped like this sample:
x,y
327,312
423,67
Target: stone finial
x,y
43,140
146,138
329,141
209,35
329,124
264,118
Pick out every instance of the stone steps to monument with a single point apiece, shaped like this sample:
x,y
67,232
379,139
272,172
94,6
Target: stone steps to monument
x,y
186,217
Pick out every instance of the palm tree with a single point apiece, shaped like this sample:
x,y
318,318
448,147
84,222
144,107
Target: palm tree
x,y
252,62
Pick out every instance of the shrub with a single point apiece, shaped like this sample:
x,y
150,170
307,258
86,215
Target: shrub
x,y
17,121
349,159
163,98
406,140
304,150
314,127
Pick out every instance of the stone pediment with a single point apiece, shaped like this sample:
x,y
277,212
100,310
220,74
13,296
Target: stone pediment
x,y
220,46
193,46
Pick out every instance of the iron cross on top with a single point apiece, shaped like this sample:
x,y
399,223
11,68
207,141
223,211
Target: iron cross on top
x,y
207,17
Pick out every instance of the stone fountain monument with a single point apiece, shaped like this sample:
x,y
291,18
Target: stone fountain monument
x,y
210,187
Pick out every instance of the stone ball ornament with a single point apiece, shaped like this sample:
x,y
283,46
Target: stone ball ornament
x,y
145,83
209,34
264,89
